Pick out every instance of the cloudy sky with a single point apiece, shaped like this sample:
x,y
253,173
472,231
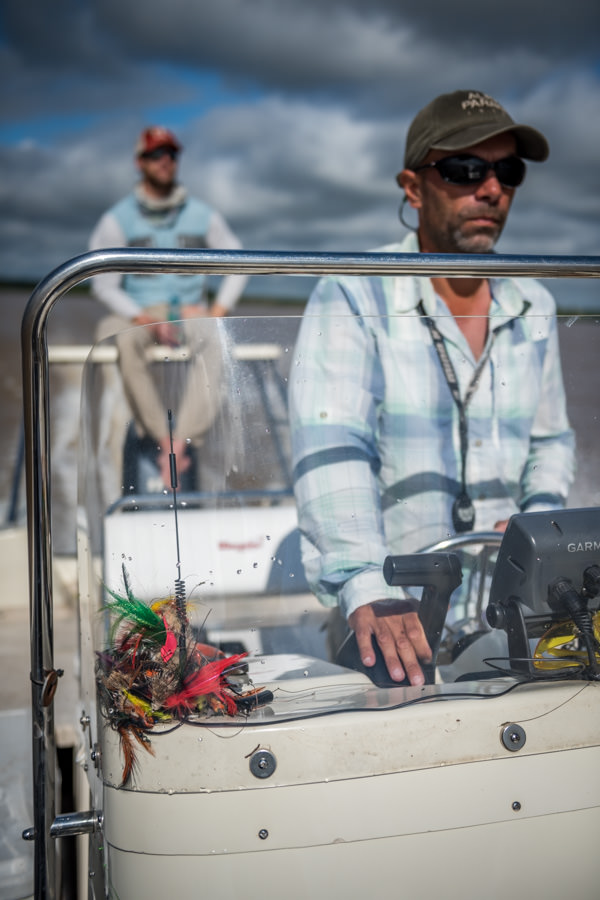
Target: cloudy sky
x,y
293,113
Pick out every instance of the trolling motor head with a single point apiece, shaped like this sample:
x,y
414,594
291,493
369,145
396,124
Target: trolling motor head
x,y
548,572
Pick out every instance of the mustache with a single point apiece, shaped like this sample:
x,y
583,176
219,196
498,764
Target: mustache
x,y
483,211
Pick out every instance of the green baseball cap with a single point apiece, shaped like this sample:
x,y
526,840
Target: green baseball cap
x,y
464,118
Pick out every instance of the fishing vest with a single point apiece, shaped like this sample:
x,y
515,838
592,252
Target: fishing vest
x,y
184,227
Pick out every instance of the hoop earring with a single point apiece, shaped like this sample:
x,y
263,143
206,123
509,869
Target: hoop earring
x,y
401,215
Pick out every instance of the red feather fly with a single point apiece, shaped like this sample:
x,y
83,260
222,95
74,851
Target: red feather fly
x,y
207,680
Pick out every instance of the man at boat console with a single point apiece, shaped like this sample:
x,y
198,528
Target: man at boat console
x,y
159,213
421,407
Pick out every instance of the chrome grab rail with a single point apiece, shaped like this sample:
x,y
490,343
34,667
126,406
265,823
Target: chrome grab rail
x,y
37,434
468,539
489,541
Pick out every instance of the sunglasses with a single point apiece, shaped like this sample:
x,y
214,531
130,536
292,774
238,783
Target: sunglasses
x,y
464,169
159,152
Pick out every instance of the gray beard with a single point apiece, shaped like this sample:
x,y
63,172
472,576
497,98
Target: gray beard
x,y
475,243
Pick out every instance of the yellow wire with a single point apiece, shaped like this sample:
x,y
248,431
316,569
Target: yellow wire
x,y
550,652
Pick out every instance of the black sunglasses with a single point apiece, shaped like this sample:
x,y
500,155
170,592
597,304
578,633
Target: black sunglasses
x,y
464,169
159,152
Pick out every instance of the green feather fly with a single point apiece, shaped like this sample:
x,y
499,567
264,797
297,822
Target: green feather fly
x,y
139,616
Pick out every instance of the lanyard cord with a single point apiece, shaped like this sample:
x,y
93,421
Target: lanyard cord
x,y
452,381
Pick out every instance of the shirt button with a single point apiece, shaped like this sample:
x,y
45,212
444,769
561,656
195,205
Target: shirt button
x,y
478,443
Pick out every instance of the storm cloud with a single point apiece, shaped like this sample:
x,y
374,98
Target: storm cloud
x,y
293,116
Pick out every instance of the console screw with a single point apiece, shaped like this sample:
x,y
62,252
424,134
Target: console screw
x,y
262,764
513,737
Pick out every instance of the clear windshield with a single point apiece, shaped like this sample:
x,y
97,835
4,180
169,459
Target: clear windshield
x,y
190,551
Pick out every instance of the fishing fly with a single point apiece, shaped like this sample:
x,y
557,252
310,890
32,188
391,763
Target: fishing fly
x,y
154,671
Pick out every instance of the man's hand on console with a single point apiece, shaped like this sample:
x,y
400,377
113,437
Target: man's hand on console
x,y
398,633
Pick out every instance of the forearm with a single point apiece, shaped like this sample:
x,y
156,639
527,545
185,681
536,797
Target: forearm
x,y
229,292
107,287
343,541
333,415
221,237
549,472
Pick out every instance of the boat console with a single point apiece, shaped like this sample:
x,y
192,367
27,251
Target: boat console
x,y
225,748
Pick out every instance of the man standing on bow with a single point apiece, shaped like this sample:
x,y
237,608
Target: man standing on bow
x,y
160,214
425,406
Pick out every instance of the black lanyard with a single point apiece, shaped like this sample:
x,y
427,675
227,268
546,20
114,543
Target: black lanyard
x,y
463,512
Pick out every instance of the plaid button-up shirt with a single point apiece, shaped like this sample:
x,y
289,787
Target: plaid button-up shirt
x,y
375,436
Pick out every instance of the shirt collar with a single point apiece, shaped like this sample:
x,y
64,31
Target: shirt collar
x,y
160,205
507,299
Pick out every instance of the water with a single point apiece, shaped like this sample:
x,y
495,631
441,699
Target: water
x,y
74,318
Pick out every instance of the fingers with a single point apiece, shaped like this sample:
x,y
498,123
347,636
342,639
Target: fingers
x,y
399,651
167,333
400,638
164,458
218,311
365,645
399,657
194,311
142,319
416,636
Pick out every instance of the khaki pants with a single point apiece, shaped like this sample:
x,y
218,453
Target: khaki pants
x,y
193,390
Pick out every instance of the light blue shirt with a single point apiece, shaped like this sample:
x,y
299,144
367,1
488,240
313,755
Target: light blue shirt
x,y
181,222
375,435
183,227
